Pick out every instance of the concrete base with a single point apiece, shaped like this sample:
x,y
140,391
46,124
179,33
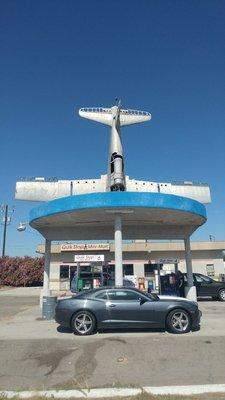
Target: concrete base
x,y
48,307
190,293
43,293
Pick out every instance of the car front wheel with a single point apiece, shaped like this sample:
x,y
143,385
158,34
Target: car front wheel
x,y
222,295
83,323
178,321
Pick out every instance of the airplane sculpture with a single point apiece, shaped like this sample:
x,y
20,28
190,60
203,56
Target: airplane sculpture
x,y
41,189
115,117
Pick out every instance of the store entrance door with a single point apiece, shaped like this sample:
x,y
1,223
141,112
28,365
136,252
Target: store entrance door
x,y
73,270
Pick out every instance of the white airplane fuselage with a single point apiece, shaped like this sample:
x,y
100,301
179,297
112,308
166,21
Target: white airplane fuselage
x,y
115,176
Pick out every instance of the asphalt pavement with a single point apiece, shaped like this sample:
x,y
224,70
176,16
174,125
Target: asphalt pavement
x,y
39,355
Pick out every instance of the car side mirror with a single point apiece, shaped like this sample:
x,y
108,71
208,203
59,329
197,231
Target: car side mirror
x,y
141,300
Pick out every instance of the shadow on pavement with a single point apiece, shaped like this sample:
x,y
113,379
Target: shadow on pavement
x,y
200,299
134,330
62,329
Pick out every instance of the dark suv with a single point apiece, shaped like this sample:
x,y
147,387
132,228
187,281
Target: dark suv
x,y
207,287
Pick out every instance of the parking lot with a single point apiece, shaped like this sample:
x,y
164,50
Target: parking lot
x,y
37,354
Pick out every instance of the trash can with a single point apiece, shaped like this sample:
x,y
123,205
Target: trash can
x,y
48,308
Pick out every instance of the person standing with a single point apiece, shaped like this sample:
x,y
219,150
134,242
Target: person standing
x,y
180,283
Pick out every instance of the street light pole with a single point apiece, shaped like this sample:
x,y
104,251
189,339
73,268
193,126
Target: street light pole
x,y
5,218
6,221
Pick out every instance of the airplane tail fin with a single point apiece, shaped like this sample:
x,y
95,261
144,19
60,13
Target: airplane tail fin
x,y
104,115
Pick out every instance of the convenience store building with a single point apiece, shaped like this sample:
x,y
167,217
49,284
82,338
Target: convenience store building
x,y
139,259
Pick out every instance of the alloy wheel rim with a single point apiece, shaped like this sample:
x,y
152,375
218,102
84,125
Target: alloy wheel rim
x,y
180,321
222,294
83,323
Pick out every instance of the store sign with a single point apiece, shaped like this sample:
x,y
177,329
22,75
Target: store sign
x,y
167,261
84,247
89,257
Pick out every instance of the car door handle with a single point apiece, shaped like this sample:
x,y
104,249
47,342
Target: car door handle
x,y
111,305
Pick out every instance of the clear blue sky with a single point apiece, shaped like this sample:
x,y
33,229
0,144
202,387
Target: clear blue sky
x,y
166,57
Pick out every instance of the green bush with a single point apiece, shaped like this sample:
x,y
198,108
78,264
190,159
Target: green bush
x,y
21,271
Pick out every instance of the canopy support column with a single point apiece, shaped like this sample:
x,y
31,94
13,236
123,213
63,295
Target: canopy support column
x,y
118,251
46,290
190,289
48,301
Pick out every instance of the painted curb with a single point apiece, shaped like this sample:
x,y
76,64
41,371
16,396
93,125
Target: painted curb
x,y
67,394
185,390
117,392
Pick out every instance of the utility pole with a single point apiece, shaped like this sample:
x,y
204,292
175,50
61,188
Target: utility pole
x,y
6,221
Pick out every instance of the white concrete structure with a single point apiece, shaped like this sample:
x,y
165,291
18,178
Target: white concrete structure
x,y
89,210
32,189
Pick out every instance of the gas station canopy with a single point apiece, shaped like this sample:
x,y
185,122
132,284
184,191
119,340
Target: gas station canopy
x,y
144,216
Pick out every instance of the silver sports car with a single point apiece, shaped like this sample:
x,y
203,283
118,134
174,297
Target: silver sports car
x,y
126,308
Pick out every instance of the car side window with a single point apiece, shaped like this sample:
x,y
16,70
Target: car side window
x,y
102,295
206,279
123,295
198,279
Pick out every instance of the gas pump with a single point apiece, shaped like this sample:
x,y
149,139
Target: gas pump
x,y
168,281
87,277
89,272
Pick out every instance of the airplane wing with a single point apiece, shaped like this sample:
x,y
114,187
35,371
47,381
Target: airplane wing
x,y
128,117
104,115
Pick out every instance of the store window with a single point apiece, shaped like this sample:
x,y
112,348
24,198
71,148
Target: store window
x,y
149,270
128,269
64,271
73,270
210,269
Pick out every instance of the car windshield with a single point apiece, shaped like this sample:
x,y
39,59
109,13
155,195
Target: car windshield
x,y
152,296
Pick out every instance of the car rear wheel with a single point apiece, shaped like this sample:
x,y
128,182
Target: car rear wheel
x,y
178,321
83,323
222,295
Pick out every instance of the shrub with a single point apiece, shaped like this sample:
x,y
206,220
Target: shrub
x,y
21,271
